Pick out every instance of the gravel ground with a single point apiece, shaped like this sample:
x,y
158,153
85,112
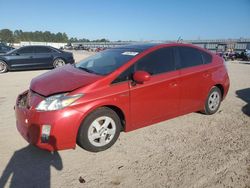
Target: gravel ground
x,y
189,151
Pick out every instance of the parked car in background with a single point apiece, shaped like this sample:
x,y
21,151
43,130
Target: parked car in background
x,y
247,52
96,49
4,48
34,57
244,55
229,56
68,47
79,47
120,89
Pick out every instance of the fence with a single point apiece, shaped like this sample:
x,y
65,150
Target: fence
x,y
236,44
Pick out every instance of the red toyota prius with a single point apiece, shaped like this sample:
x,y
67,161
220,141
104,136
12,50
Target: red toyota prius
x,y
120,89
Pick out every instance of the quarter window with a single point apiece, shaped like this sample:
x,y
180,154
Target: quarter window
x,y
207,58
125,75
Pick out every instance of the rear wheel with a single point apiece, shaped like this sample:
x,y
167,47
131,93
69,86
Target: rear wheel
x,y
3,67
58,62
213,101
100,130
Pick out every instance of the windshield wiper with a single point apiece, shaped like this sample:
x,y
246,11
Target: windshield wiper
x,y
88,70
85,69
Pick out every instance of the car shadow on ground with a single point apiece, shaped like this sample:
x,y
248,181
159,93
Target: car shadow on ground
x,y
29,70
244,94
30,167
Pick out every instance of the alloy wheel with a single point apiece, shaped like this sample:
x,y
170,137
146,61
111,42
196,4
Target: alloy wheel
x,y
3,67
59,63
101,131
214,101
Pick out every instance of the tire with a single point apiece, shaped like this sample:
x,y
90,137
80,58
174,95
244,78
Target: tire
x,y
213,101
99,130
58,62
3,67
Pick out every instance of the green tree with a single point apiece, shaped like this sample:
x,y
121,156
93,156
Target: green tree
x,y
17,35
64,37
73,39
6,35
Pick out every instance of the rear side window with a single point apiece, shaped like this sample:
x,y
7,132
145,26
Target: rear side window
x,y
207,58
190,57
41,49
157,62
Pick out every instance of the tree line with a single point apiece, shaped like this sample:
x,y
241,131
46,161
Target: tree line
x,y
6,35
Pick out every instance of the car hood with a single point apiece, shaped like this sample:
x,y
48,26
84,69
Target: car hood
x,y
64,79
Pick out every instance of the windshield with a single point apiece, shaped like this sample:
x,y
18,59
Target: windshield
x,y
105,62
11,51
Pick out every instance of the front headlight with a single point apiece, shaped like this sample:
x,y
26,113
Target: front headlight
x,y
57,102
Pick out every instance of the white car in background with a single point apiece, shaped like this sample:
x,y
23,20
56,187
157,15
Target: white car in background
x,y
248,54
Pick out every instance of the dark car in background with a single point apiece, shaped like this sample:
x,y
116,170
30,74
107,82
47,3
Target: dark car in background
x,y
4,48
34,57
244,55
247,52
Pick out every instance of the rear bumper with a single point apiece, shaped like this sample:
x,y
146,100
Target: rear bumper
x,y
226,87
64,127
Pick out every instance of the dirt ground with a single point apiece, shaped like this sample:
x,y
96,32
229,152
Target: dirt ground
x,y
189,151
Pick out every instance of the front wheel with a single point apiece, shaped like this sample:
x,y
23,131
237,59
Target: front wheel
x,y
58,62
100,130
3,67
213,101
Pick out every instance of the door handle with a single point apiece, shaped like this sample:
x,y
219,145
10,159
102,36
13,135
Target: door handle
x,y
206,74
173,84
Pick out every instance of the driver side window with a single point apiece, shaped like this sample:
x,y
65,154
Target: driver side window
x,y
156,62
25,50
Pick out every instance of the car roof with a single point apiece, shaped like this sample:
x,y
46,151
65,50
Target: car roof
x,y
51,47
37,46
145,46
139,47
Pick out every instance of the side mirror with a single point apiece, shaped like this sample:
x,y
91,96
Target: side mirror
x,y
141,76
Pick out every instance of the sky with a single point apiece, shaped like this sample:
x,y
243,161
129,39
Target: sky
x,y
130,19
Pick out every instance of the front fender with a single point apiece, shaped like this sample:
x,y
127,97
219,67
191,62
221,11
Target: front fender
x,y
89,107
